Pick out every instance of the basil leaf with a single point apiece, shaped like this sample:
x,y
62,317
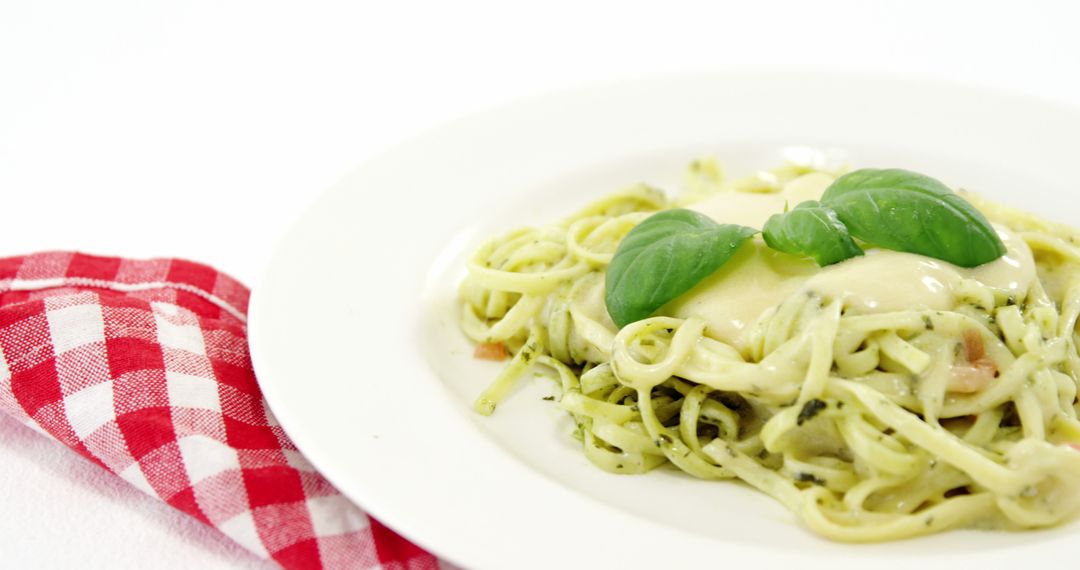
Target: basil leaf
x,y
906,211
663,257
811,230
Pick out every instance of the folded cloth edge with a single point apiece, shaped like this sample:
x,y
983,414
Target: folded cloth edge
x,y
142,367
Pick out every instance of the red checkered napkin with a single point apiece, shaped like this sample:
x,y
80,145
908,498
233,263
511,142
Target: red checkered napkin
x,y
142,367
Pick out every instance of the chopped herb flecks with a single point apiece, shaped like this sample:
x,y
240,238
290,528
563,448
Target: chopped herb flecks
x,y
803,477
809,410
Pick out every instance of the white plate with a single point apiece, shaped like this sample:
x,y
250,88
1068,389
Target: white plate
x,y
354,335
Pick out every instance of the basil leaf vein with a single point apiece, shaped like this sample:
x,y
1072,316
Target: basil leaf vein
x,y
811,230
663,257
906,211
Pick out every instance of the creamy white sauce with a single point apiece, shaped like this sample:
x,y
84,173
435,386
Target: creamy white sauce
x,y
883,281
1014,271
732,299
754,208
758,278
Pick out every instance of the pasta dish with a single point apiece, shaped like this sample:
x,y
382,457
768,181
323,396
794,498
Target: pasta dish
x,y
881,355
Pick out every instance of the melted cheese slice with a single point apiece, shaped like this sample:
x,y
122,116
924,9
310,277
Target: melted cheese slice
x,y
758,278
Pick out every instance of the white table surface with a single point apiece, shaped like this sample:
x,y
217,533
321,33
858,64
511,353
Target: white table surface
x,y
198,129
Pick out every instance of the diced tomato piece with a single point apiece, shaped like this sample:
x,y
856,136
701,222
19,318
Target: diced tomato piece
x,y
973,346
491,351
970,379
980,370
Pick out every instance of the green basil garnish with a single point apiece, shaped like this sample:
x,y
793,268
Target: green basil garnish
x,y
812,230
907,211
671,251
663,257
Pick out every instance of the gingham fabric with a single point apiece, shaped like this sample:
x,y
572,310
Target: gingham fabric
x,y
142,367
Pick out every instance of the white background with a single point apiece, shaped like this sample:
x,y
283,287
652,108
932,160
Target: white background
x,y
198,129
